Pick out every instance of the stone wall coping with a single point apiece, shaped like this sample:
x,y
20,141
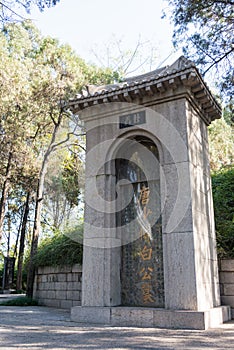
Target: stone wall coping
x,y
58,269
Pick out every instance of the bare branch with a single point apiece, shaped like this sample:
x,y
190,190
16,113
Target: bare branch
x,y
12,11
219,60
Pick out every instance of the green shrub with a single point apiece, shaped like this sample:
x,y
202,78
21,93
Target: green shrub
x,y
22,301
223,195
61,249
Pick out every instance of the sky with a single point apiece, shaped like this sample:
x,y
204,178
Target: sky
x,y
91,26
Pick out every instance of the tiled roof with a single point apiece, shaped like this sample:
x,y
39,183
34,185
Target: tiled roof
x,y
182,71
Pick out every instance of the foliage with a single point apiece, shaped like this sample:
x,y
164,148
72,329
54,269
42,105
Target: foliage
x,y
10,9
20,301
221,142
223,195
60,249
205,31
228,113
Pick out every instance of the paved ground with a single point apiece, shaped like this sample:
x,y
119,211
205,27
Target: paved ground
x,y
33,328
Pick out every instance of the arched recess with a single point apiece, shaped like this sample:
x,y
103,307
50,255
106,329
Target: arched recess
x,y
138,220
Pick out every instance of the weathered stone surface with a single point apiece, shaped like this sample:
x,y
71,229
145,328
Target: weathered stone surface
x,y
228,289
151,317
179,271
228,300
227,277
66,304
64,294
227,265
91,314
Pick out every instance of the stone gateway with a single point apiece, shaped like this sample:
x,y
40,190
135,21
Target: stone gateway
x,y
149,239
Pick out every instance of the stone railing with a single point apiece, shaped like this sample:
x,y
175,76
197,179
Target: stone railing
x,y
226,276
58,286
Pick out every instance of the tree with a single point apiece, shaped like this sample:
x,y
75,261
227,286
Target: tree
x,y
10,9
221,142
204,29
37,79
223,193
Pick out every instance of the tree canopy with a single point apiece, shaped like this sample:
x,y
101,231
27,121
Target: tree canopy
x,y
204,29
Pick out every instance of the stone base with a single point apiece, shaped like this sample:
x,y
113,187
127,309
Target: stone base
x,y
150,317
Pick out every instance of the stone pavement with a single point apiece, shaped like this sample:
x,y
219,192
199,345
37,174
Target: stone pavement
x,y
34,328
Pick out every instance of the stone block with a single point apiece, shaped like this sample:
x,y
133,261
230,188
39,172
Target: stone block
x,y
151,317
176,198
187,320
217,316
44,278
227,300
62,277
73,295
41,286
179,271
69,285
66,304
98,315
227,265
43,294
69,277
226,277
40,270
76,268
139,317
52,303
52,277
47,269
228,289
61,294
74,286
60,285
169,123
64,269
50,294
48,286
161,318
76,277
76,303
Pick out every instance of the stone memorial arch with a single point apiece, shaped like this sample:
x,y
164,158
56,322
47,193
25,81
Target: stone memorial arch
x,y
149,239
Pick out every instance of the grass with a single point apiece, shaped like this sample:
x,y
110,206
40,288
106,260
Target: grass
x,y
22,301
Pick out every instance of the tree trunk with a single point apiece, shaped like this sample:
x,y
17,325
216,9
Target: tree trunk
x,y
22,241
38,208
5,190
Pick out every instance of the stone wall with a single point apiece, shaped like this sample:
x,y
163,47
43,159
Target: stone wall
x,y
58,286
61,286
226,276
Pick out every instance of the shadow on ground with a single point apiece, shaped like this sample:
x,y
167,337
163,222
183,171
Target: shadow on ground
x,y
33,328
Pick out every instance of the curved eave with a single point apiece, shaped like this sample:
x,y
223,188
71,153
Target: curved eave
x,y
190,78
